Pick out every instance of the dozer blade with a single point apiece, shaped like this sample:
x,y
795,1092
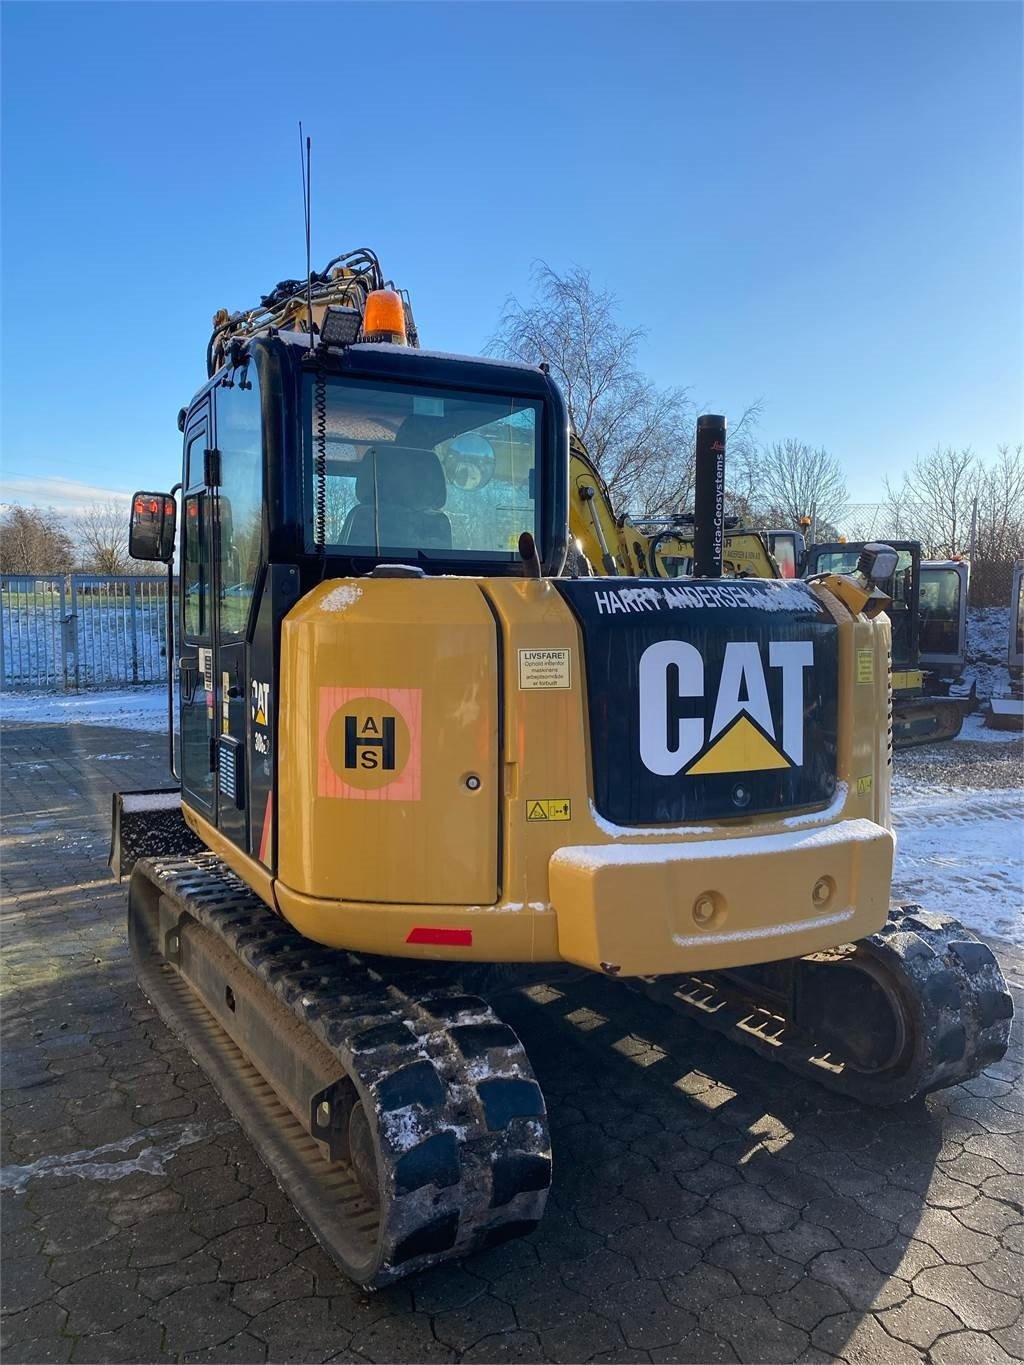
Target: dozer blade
x,y
1005,713
149,823
407,1130
919,1006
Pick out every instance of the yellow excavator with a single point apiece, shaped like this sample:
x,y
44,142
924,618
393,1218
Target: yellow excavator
x,y
615,546
411,747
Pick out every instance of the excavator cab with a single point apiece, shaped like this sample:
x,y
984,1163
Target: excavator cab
x,y
903,587
300,466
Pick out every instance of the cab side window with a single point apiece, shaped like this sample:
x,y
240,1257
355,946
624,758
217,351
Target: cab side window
x,y
195,568
239,498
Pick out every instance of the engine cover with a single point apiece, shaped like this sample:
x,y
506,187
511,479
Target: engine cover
x,y
707,699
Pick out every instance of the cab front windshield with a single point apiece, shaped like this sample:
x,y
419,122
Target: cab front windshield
x,y
410,472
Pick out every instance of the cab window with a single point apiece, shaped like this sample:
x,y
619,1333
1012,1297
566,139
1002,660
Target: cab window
x,y
414,471
239,498
195,568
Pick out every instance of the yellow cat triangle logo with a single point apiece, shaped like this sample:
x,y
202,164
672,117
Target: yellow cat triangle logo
x,y
742,749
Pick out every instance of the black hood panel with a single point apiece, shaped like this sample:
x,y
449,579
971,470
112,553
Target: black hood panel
x,y
708,699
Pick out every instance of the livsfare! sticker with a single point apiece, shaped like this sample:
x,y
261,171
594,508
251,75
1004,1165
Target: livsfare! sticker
x,y
545,669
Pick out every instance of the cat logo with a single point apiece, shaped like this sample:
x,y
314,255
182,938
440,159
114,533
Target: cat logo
x,y
744,735
369,743
260,702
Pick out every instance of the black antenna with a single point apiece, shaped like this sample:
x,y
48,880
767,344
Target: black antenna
x,y
305,161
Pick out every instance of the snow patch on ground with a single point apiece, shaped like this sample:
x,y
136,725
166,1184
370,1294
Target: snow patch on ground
x,y
95,1164
962,853
987,642
131,708
974,729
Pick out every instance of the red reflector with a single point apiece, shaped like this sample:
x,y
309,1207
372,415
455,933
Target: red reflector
x,y
452,938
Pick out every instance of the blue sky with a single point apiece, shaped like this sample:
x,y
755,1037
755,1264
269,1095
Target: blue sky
x,y
816,204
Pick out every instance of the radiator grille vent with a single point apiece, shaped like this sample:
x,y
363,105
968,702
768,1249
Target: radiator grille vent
x,y
229,770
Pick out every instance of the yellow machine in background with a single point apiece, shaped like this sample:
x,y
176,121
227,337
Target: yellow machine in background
x,y
411,745
614,545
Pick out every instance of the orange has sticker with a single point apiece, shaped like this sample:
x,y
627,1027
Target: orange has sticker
x,y
370,745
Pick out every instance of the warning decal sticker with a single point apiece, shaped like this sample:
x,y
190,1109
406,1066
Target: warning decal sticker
x,y
370,743
865,666
548,669
549,808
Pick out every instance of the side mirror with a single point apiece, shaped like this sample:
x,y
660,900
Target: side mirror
x,y
154,519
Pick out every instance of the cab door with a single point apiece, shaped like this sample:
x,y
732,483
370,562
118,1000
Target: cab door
x,y
238,537
196,677
942,627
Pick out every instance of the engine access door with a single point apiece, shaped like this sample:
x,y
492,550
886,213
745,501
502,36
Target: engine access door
x,y
388,757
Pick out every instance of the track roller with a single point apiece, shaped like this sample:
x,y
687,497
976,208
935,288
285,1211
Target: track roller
x,y
407,1130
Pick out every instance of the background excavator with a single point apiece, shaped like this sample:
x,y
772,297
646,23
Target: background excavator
x,y
929,635
928,611
411,748
616,546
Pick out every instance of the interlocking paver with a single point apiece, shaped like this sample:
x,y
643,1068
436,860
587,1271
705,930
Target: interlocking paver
x,y
969,1348
102,1302
705,1208
861,1341
758,1269
753,1330
919,1321
972,1302
849,1272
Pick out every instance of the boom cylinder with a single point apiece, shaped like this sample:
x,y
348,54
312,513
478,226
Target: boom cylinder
x,y
709,497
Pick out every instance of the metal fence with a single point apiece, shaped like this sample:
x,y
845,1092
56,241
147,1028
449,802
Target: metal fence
x,y
82,630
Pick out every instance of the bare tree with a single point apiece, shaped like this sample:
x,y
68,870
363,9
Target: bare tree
x,y
34,541
955,502
999,526
103,538
936,499
641,437
789,480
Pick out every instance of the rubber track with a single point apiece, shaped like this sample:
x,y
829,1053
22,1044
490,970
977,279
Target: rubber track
x,y
953,995
949,715
458,1118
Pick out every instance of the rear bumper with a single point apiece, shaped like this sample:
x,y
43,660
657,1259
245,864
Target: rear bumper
x,y
659,909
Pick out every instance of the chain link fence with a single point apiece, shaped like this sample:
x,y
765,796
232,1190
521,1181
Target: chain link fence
x,y
82,631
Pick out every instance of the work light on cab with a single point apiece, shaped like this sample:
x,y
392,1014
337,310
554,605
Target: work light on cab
x,y
384,317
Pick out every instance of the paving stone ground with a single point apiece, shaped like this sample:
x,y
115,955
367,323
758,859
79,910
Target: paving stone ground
x,y
705,1208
